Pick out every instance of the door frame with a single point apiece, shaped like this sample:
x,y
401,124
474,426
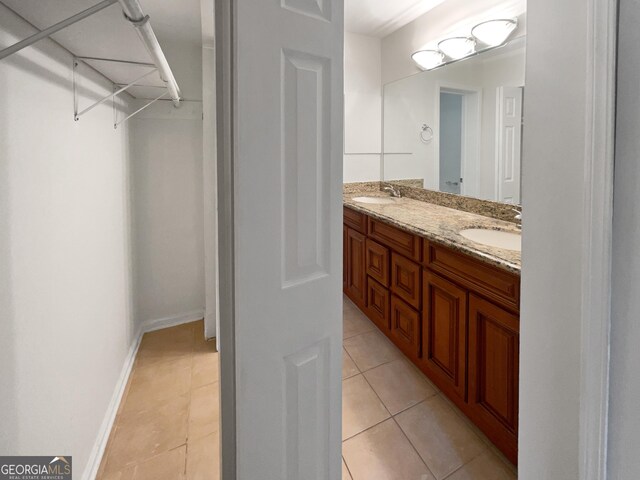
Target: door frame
x,y
225,129
596,234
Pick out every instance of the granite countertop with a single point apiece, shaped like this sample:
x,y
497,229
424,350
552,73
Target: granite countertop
x,y
441,225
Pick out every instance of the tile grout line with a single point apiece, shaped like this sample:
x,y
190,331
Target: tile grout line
x,y
346,466
487,446
392,417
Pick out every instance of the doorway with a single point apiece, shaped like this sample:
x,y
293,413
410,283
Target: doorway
x,y
458,113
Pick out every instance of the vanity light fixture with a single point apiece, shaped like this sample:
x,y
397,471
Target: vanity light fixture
x,y
428,59
494,32
457,47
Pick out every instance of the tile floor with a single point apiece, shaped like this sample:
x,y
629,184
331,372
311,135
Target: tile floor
x,y
168,421
396,424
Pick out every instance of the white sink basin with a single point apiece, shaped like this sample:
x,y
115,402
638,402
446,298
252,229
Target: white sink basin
x,y
375,200
494,238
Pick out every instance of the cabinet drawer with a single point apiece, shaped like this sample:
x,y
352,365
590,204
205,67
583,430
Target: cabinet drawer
x,y
405,328
378,304
377,261
444,334
405,280
355,220
402,242
484,279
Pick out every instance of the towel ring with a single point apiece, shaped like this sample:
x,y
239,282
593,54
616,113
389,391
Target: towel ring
x,y
426,134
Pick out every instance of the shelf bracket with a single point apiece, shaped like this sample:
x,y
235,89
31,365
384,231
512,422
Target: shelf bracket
x,y
77,115
115,125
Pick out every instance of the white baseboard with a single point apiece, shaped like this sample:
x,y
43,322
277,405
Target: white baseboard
x,y
97,452
93,465
159,323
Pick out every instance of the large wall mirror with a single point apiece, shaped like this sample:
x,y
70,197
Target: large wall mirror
x,y
458,128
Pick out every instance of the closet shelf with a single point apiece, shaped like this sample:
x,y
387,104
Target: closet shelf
x,y
133,13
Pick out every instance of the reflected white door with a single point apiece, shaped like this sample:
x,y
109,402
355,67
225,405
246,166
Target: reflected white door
x,y
287,193
509,143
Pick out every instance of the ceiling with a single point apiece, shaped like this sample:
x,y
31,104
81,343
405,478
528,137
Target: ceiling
x,y
107,34
379,18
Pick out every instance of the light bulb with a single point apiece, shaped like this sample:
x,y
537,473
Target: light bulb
x,y
494,32
428,59
457,47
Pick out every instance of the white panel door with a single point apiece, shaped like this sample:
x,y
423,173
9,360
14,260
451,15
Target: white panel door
x,y
287,182
509,143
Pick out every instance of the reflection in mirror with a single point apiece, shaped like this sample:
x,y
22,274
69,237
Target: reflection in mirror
x,y
458,128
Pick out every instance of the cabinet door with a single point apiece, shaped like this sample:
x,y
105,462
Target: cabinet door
x,y
405,279
356,276
378,301
444,334
494,346
405,328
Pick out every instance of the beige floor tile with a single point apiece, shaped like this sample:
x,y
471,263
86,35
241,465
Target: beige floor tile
x,y
166,466
204,414
399,385
485,467
361,408
440,436
198,331
143,435
152,384
206,368
125,474
167,344
345,472
354,321
383,453
203,458
368,350
349,368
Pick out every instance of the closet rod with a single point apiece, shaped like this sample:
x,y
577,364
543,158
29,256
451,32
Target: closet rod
x,y
55,28
134,13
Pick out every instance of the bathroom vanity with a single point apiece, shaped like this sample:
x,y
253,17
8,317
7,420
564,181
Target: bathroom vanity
x,y
449,303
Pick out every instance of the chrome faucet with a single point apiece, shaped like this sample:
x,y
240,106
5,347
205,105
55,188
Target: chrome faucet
x,y
393,191
518,217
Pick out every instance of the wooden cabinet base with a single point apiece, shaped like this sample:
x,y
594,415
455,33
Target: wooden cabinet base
x,y
453,316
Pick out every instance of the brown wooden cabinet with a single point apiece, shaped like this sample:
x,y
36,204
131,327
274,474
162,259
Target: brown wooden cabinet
x,y
494,339
444,338
456,317
355,273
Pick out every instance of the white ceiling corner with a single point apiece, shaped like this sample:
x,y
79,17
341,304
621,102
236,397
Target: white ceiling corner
x,y
379,18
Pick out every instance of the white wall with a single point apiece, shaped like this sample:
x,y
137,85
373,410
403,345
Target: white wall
x,y
65,307
413,101
624,421
553,169
362,108
450,18
210,179
167,203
